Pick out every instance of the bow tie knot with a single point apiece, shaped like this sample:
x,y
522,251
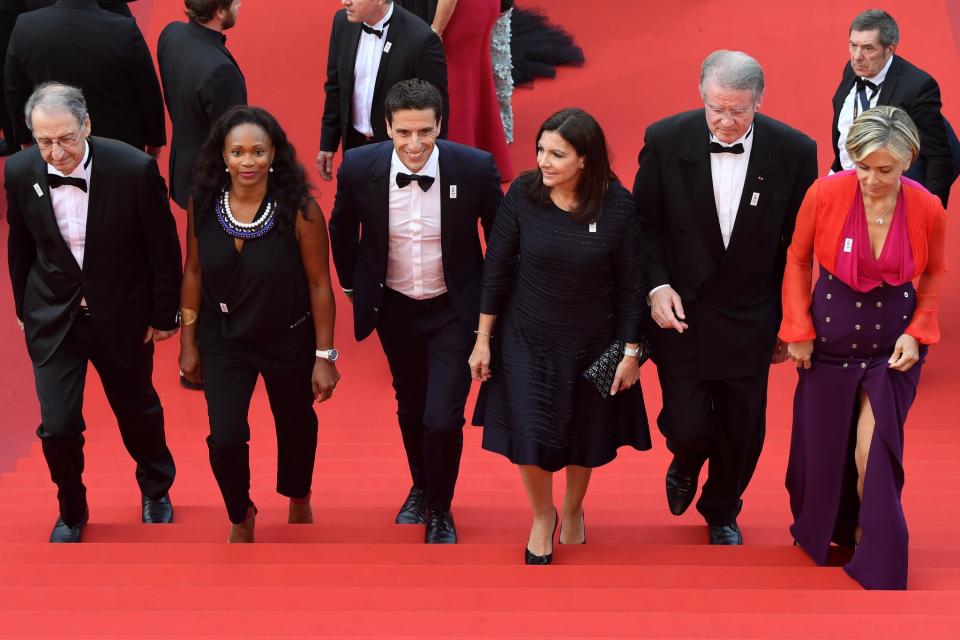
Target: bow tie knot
x,y
425,182
716,147
863,83
374,32
54,181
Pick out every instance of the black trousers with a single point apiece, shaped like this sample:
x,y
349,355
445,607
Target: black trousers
x,y
723,421
229,377
427,348
129,389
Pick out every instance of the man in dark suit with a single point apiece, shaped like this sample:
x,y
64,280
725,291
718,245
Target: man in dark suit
x,y
717,192
116,6
413,274
877,76
95,266
201,82
78,43
373,45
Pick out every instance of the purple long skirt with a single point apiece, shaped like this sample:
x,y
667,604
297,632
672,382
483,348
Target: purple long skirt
x,y
856,333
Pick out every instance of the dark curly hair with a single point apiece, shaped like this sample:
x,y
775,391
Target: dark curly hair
x,y
288,183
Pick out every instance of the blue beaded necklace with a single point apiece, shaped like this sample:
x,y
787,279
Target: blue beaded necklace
x,y
245,230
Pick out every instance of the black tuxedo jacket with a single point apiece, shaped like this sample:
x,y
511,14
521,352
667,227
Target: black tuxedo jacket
x,y
131,263
201,81
117,6
78,43
917,93
731,295
363,203
414,52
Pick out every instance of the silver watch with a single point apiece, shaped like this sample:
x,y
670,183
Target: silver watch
x,y
627,351
330,354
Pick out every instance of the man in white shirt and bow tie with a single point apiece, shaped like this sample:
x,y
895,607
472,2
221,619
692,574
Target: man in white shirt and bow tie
x,y
95,267
373,45
413,274
717,192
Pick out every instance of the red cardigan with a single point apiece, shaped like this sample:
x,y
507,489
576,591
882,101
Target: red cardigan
x,y
819,227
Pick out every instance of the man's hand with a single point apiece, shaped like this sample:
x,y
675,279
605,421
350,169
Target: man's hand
x,y
667,310
325,165
157,335
780,352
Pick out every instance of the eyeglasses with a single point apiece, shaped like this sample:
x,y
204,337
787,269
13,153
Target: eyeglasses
x,y
730,114
64,143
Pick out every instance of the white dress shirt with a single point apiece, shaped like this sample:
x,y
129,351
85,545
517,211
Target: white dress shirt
x,y
369,52
414,256
845,119
70,206
729,171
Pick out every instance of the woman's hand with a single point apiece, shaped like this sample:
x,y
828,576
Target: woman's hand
x,y
480,359
906,353
800,353
628,373
325,377
191,367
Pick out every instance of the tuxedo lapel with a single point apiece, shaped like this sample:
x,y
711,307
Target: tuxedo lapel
x,y
758,186
449,205
45,209
378,220
394,33
697,176
98,195
888,90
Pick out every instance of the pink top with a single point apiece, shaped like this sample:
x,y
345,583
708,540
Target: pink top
x,y
856,267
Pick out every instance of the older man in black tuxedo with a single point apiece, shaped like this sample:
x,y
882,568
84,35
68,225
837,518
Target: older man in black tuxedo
x,y
877,76
718,191
373,45
414,275
95,266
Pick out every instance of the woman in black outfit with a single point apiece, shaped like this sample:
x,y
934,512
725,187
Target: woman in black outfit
x,y
256,300
562,280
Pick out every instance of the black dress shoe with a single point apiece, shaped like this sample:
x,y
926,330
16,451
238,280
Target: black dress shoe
x,y
681,489
65,533
414,509
157,511
440,528
726,534
531,558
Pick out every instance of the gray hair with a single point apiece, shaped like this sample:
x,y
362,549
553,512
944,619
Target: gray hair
x,y
883,128
732,70
54,97
879,20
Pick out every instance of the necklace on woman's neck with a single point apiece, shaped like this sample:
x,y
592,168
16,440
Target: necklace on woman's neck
x,y
883,219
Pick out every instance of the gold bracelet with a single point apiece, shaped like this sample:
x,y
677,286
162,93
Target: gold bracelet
x,y
188,317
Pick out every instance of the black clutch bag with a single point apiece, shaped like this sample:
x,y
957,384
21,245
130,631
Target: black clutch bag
x,y
601,373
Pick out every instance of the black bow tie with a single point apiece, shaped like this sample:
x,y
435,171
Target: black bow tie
x,y
376,32
425,182
54,181
716,147
866,84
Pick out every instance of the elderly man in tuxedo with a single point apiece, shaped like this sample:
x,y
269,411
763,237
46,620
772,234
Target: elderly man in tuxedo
x,y
717,192
95,266
877,76
413,275
373,45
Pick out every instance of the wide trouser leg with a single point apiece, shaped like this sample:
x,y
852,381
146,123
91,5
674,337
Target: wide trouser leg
x,y
687,419
290,392
740,418
130,392
228,387
60,383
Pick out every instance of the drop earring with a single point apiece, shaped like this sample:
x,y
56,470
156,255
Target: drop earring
x,y
270,169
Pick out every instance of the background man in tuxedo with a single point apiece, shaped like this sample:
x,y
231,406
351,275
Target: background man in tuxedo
x,y
116,6
373,45
95,267
78,43
414,276
718,191
201,82
877,76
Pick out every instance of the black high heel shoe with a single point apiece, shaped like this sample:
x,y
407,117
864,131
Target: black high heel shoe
x,y
531,558
583,525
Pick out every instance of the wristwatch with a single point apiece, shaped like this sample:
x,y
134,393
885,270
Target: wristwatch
x,y
627,351
330,354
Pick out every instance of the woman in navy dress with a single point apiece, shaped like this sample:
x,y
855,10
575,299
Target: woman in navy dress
x,y
859,341
256,301
562,280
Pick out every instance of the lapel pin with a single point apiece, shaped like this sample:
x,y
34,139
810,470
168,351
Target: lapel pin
x,y
593,227
453,192
754,199
386,47
760,178
36,187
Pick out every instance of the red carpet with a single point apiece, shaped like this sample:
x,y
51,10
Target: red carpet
x,y
353,574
